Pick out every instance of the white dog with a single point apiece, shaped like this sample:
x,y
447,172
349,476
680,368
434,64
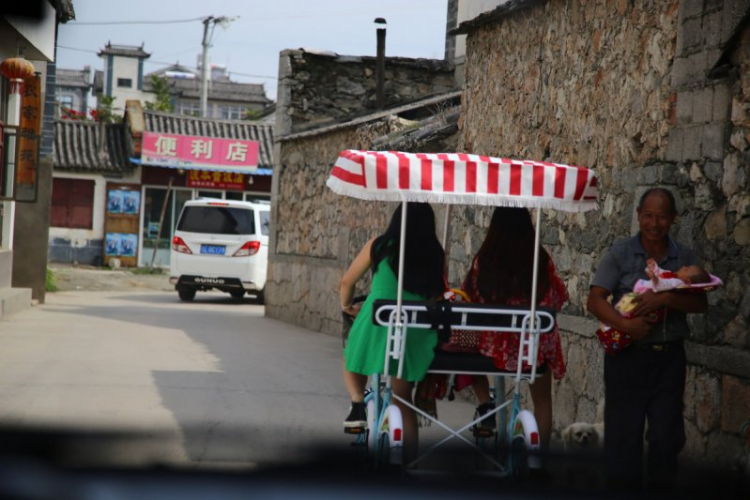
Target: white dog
x,y
582,436
583,445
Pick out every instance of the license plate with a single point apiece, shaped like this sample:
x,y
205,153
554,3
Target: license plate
x,y
213,249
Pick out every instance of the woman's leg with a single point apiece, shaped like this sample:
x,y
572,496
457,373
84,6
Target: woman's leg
x,y
541,396
481,386
355,384
403,389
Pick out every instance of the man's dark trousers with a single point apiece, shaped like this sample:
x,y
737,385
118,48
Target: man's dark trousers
x,y
642,385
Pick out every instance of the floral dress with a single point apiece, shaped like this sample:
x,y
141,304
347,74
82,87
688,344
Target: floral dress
x,y
503,347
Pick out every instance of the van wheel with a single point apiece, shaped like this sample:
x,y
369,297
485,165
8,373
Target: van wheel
x,y
237,294
186,294
261,297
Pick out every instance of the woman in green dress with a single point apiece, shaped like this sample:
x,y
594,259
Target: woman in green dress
x,y
364,354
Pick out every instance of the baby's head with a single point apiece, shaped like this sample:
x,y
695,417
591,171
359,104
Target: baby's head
x,y
693,275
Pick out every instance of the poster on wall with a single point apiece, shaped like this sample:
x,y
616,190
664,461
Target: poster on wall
x,y
128,245
112,244
114,201
131,202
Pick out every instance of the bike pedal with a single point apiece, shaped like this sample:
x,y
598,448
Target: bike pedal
x,y
354,430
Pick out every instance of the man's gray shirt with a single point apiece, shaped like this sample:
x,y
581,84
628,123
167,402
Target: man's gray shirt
x,y
625,263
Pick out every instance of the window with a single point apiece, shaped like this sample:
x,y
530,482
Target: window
x,y
189,108
217,220
65,101
72,203
231,112
125,82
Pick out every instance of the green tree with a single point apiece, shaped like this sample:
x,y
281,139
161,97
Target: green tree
x,y
163,102
104,111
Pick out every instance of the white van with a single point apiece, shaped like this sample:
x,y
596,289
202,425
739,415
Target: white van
x,y
220,244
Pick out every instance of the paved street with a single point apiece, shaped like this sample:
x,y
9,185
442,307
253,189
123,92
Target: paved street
x,y
211,382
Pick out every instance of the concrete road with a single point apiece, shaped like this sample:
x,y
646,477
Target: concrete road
x,y
211,382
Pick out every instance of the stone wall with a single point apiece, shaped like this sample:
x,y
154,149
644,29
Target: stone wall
x,y
622,87
318,89
317,233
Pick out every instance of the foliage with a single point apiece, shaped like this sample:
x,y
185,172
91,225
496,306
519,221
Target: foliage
x,y
49,282
104,112
252,114
163,101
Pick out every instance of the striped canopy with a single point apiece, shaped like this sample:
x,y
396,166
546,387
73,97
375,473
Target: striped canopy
x,y
460,178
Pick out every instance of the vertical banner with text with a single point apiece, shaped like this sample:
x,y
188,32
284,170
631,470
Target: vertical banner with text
x,y
29,140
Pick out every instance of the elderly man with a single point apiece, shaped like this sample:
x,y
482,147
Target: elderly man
x,y
645,382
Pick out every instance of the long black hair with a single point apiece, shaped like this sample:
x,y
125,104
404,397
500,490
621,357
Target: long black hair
x,y
506,259
424,257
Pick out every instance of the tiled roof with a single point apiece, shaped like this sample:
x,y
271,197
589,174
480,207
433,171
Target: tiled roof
x,y
73,78
229,129
217,90
124,50
492,16
77,147
417,136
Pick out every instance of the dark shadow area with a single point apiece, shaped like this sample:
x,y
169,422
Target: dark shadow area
x,y
41,464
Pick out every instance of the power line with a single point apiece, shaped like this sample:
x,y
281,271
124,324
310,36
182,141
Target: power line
x,y
103,23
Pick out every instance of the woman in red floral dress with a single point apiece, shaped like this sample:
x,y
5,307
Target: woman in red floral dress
x,y
501,274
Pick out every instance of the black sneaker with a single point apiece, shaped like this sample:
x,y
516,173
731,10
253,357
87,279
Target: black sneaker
x,y
487,423
357,417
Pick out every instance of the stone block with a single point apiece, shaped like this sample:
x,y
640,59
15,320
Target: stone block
x,y
711,30
681,72
698,67
722,104
729,179
684,108
713,143
674,146
690,9
691,147
695,446
707,402
735,403
691,35
703,101
741,233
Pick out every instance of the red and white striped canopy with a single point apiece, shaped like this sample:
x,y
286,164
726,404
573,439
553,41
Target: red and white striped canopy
x,y
463,179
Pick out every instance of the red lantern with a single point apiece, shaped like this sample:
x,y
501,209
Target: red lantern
x,y
16,69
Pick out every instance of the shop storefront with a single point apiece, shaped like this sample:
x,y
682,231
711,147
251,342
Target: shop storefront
x,y
198,167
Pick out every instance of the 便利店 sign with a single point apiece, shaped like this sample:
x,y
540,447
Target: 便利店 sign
x,y
201,153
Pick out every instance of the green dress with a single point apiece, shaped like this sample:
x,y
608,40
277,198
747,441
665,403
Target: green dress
x,y
365,348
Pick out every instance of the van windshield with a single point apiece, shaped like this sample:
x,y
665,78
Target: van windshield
x,y
217,220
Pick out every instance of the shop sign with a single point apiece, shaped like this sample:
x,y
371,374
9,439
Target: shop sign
x,y
215,180
28,140
202,153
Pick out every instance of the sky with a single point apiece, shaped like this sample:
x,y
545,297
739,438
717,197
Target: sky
x,y
249,46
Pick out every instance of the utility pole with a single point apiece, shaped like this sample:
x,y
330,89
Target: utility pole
x,y
209,24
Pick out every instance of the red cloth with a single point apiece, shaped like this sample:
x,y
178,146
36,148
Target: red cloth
x,y
503,347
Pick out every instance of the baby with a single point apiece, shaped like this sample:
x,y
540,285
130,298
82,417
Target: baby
x,y
661,280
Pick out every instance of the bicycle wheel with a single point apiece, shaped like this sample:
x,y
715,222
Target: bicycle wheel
x,y
393,427
524,443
